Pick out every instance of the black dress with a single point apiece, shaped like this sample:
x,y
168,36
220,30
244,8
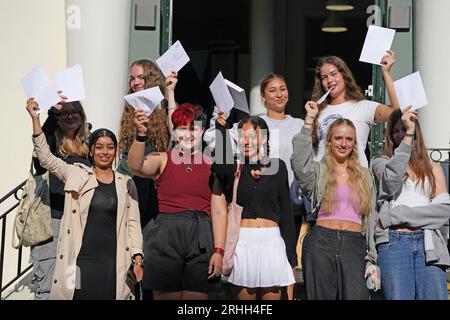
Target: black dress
x,y
96,262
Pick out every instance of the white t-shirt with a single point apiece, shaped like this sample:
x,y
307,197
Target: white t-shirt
x,y
361,113
281,134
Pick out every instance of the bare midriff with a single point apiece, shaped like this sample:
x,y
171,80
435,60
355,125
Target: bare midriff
x,y
258,223
340,225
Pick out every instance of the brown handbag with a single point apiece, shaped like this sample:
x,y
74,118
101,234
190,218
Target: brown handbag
x,y
233,226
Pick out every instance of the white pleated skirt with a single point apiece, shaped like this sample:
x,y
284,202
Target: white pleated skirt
x,y
260,259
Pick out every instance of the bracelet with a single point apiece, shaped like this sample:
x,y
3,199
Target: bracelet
x,y
140,138
309,124
219,251
171,108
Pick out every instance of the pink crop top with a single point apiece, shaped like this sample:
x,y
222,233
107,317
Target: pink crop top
x,y
344,209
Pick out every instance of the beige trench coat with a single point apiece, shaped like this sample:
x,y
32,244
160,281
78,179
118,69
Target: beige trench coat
x,y
80,184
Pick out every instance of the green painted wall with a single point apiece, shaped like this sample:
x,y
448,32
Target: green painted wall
x,y
145,44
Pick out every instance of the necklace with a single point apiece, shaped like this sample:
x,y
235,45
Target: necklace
x,y
188,168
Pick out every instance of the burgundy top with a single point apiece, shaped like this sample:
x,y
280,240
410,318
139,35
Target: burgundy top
x,y
182,186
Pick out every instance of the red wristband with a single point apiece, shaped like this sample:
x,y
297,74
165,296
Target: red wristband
x,y
219,251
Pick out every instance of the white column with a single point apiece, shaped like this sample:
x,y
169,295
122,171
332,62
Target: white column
x,y
432,52
262,49
98,39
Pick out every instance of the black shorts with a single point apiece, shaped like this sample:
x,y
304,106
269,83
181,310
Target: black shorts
x,y
177,250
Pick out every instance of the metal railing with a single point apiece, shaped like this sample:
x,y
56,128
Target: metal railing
x,y
20,271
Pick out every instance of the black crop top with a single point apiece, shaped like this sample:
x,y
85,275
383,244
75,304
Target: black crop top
x,y
267,198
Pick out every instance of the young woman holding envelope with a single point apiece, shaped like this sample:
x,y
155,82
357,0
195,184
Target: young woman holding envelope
x,y
185,243
415,207
346,100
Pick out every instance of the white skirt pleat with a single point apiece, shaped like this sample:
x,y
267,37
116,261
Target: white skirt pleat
x,y
260,259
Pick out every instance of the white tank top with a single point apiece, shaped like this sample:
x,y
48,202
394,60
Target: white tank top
x,y
413,195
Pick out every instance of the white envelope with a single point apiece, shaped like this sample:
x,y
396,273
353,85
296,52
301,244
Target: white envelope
x,y
378,41
411,92
147,99
37,84
174,58
238,95
70,82
221,94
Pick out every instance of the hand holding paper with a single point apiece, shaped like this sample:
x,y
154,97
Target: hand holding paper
x,y
147,99
221,94
378,41
173,59
37,84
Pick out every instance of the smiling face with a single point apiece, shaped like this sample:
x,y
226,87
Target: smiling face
x,y
69,118
341,142
331,78
250,141
103,152
137,80
276,95
189,137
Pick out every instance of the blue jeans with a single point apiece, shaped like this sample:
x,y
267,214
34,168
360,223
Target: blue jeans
x,y
404,272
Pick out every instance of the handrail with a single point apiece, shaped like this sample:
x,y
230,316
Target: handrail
x,y
20,270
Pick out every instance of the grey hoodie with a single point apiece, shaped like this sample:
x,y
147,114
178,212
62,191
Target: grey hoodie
x,y
433,218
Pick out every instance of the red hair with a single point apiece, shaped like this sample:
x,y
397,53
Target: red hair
x,y
186,114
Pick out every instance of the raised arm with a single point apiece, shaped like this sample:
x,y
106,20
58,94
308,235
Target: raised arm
x,y
391,172
46,158
384,111
171,82
210,134
302,161
151,165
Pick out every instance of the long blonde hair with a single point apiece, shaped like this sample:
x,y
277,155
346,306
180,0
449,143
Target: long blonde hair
x,y
352,91
357,179
157,126
79,146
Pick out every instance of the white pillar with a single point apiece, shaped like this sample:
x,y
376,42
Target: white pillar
x,y
98,39
432,52
262,49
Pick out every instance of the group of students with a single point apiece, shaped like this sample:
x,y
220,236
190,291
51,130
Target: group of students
x,y
168,200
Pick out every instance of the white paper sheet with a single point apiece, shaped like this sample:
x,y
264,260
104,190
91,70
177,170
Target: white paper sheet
x,y
322,98
147,99
221,94
37,84
70,82
174,58
378,41
411,92
238,95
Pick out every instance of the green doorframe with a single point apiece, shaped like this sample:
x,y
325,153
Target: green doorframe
x,y
376,134
166,25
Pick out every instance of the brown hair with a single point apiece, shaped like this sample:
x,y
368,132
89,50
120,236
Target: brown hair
x,y
80,141
352,90
267,79
157,126
419,163
360,186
